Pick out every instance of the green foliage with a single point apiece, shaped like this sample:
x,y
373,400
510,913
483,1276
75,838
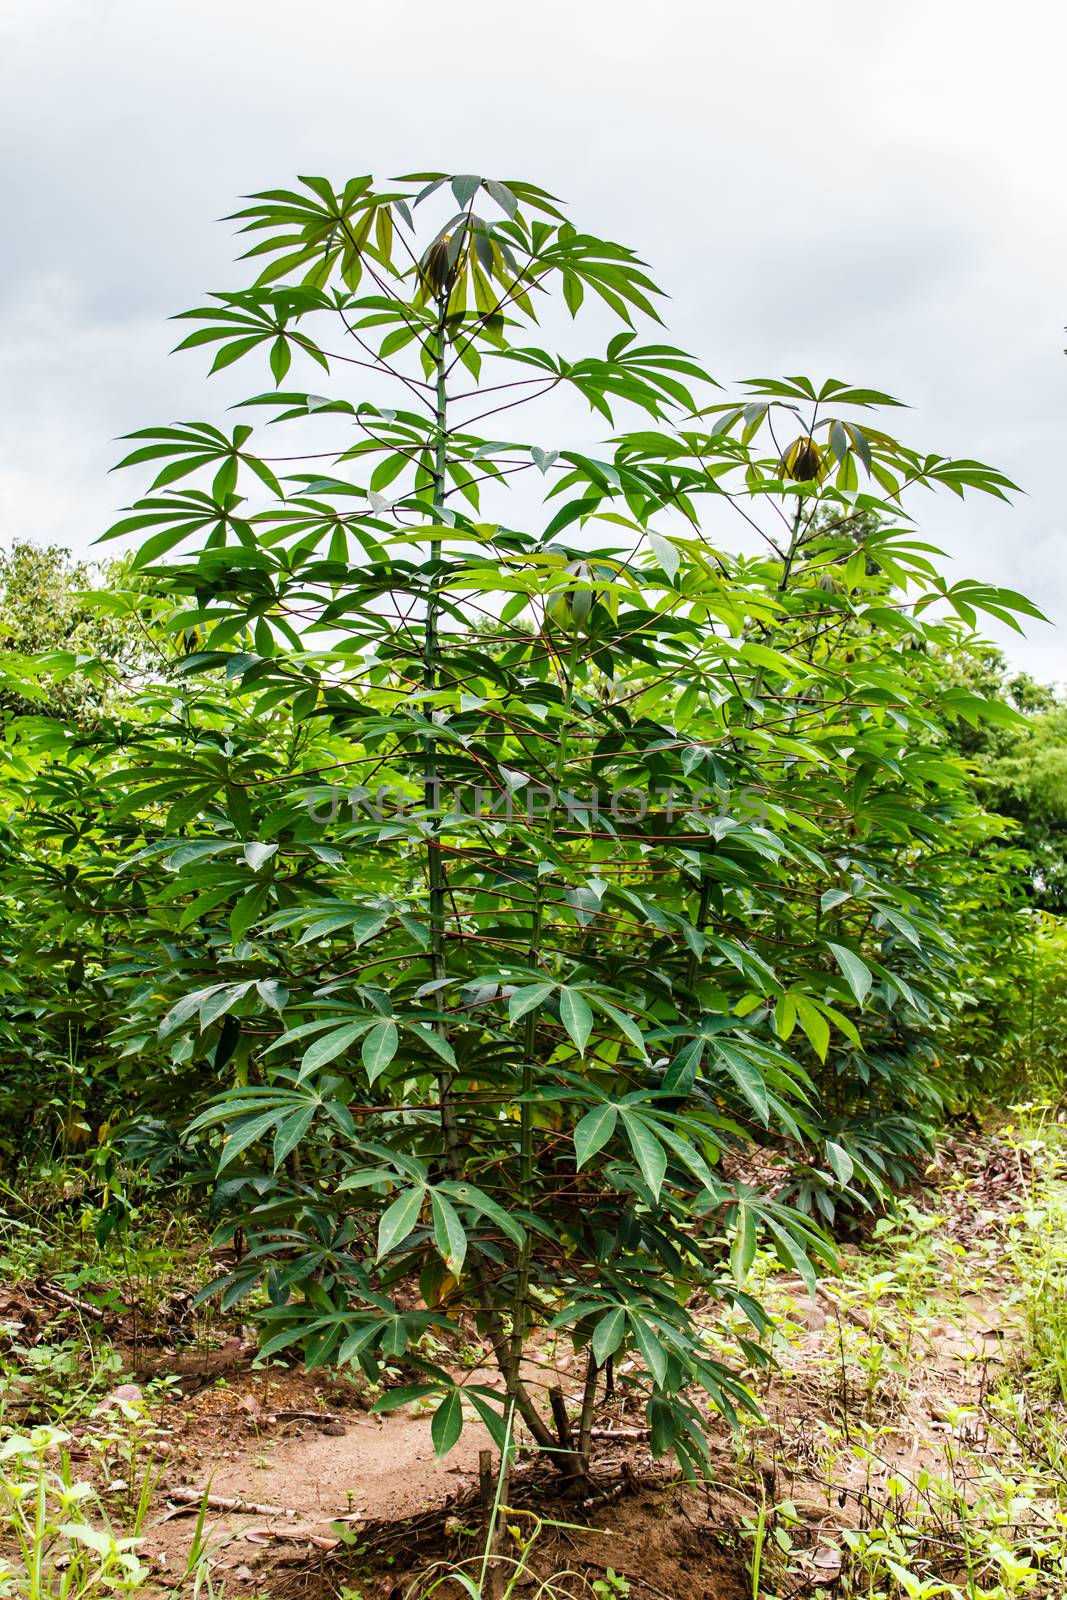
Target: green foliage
x,y
75,644
672,861
64,1543
66,639
1038,1055
58,1539
1021,767
1028,783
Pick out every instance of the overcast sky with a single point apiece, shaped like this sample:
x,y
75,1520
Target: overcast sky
x,y
874,193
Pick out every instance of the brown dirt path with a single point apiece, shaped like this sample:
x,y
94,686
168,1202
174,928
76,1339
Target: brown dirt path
x,y
352,1465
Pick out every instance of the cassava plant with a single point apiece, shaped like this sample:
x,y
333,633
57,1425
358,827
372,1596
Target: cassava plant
x,y
512,866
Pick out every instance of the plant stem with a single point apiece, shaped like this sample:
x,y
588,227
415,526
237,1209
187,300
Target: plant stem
x,y
431,795
585,1422
795,541
520,1308
437,881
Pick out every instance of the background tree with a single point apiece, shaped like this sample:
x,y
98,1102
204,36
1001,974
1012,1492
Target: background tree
x,y
71,641
1020,767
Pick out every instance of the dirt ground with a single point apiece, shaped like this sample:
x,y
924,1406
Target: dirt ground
x,y
311,1494
304,1484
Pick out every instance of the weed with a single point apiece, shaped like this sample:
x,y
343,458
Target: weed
x,y
68,1547
1037,1248
612,1586
981,1514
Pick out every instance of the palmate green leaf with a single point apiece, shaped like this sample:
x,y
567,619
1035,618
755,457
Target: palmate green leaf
x,y
379,1047
649,1345
257,855
222,1000
399,1219
290,1132
685,1151
842,1023
331,1045
791,1253
496,1423
648,1151
525,999
854,969
593,1132
248,1131
608,1334
665,553
447,1423
814,1024
176,517
626,1024
840,1161
247,910
785,1016
747,1077
576,1016
273,993
356,1343
406,1394
485,1206
681,1075
744,1243
397,1337
357,925
291,1335
437,1042
303,1031
449,1235
240,1102
183,1010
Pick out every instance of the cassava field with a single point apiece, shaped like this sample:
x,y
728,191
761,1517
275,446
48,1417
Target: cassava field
x,y
533,1003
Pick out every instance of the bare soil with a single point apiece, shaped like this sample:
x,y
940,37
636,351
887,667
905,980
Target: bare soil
x,y
312,1494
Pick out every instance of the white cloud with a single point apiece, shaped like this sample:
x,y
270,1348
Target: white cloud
x,y
874,192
